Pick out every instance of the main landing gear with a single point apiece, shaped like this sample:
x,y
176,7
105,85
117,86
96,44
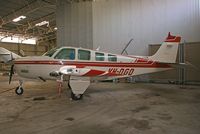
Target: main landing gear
x,y
75,96
78,86
19,90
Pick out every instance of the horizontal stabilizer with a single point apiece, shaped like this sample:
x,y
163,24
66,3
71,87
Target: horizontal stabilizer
x,y
183,65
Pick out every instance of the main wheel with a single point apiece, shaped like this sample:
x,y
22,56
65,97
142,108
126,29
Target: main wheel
x,y
19,90
76,96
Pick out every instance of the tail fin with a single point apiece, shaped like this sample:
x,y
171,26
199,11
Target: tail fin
x,y
167,52
6,55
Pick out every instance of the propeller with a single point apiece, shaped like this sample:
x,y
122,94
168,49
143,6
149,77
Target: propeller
x,y
11,73
11,69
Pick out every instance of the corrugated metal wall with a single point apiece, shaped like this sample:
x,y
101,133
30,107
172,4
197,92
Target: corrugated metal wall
x,y
110,24
115,22
74,22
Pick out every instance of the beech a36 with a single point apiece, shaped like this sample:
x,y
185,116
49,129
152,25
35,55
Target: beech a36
x,y
80,66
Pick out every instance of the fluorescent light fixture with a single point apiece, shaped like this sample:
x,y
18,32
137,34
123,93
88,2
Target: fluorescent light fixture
x,y
42,23
29,41
19,18
16,39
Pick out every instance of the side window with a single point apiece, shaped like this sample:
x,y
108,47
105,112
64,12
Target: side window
x,y
112,57
99,56
51,52
66,53
83,54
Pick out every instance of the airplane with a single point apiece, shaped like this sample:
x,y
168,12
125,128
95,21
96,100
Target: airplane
x,y
80,66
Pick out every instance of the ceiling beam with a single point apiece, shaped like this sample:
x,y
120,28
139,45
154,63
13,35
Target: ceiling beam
x,y
29,8
38,33
30,25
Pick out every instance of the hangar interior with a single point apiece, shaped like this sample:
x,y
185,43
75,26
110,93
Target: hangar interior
x,y
163,102
103,23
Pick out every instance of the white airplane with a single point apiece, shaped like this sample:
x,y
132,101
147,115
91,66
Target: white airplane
x,y
80,66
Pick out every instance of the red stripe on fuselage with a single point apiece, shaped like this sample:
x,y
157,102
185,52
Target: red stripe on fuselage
x,y
94,73
149,64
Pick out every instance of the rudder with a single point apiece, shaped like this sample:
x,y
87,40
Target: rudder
x,y
167,52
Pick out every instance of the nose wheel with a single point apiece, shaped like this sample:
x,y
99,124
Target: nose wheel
x,y
19,90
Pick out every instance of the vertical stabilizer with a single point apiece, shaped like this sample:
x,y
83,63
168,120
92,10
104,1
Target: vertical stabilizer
x,y
167,52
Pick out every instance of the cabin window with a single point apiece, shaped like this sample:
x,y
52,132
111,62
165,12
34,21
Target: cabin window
x,y
51,52
112,57
99,56
83,54
66,53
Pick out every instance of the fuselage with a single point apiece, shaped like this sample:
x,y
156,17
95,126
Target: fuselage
x,y
100,65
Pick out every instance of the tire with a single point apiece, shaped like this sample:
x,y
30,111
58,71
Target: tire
x,y
76,96
19,90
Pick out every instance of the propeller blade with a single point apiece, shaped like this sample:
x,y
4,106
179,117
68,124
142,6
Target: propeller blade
x,y
11,73
11,57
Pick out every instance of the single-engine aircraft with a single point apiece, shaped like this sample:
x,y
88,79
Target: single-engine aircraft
x,y
80,66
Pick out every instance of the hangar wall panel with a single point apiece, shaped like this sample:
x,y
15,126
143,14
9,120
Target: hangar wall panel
x,y
29,50
115,22
74,22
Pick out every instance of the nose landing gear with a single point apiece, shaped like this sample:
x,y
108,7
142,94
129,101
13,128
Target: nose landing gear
x,y
19,90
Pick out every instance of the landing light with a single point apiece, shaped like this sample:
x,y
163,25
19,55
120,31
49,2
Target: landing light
x,y
16,39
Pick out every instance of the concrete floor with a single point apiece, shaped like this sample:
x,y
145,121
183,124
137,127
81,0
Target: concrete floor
x,y
106,108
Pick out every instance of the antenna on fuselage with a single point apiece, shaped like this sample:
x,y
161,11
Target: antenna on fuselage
x,y
124,50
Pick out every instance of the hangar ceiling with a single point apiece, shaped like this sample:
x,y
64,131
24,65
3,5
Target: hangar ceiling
x,y
36,11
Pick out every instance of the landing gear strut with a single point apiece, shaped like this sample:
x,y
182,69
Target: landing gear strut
x,y
19,90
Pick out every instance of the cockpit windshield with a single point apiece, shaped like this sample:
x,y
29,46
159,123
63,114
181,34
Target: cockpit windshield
x,y
51,52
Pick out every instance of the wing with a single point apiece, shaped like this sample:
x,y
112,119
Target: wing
x,y
77,71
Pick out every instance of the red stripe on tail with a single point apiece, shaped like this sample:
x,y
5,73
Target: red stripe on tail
x,y
172,38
